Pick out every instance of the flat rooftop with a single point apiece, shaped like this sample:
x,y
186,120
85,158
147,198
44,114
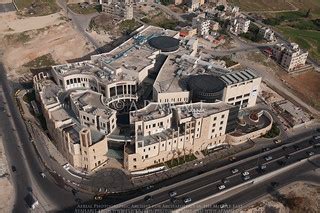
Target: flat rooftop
x,y
150,112
199,109
122,63
237,77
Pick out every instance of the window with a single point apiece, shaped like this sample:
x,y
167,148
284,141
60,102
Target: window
x,y
230,99
222,116
221,122
213,125
220,128
134,166
154,125
215,118
94,157
147,156
134,159
238,97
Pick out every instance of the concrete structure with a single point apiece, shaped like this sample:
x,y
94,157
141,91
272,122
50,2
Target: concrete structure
x,y
267,34
188,32
178,2
192,5
239,25
290,57
122,10
214,26
202,25
96,107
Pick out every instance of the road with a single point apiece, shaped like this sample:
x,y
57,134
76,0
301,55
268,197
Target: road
x,y
21,154
304,172
206,184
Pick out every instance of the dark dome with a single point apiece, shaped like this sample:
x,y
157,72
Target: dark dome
x,y
164,43
206,87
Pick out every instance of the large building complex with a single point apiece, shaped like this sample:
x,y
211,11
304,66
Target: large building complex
x,y
290,57
96,107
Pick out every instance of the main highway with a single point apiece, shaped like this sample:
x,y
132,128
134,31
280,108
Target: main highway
x,y
206,184
22,155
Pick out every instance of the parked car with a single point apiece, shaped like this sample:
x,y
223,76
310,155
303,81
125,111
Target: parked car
x,y
284,148
221,187
234,171
288,156
232,159
42,174
222,205
187,200
277,141
172,193
174,200
262,167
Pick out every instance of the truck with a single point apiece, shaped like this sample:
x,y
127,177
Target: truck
x,y
31,201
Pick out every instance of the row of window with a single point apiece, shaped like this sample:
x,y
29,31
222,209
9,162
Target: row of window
x,y
242,83
160,124
76,80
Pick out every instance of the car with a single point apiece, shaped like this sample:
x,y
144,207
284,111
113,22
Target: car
x,y
245,178
266,149
296,147
221,187
234,171
42,174
98,197
316,137
150,187
262,167
288,156
147,198
277,141
187,200
225,180
14,169
172,193
317,145
232,159
222,205
284,148
174,200
245,173
268,158
310,153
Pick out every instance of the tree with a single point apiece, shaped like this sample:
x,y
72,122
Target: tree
x,y
173,154
220,7
179,153
308,13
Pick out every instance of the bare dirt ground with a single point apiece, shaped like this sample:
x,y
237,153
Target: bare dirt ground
x,y
7,191
296,197
27,38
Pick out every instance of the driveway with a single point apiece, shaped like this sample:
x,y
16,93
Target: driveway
x,y
7,8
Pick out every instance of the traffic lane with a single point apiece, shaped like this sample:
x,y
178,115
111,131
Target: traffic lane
x,y
162,197
53,193
263,188
211,189
22,183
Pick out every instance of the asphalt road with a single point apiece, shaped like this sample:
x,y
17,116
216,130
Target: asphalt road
x,y
21,154
205,186
301,173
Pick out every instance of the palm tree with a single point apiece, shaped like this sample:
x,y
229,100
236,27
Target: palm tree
x,y
184,154
190,153
179,153
173,154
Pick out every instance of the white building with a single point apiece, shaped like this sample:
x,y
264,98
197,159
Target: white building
x,y
239,25
290,57
202,25
267,33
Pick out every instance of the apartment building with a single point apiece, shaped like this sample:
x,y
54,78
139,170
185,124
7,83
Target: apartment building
x,y
202,25
122,10
239,25
290,57
267,33
192,5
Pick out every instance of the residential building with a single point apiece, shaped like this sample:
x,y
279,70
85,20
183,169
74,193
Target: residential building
x,y
192,5
202,25
267,33
239,25
122,10
214,26
290,57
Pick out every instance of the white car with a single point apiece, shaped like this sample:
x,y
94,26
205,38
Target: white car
x,y
187,200
268,158
234,171
245,173
42,174
221,187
